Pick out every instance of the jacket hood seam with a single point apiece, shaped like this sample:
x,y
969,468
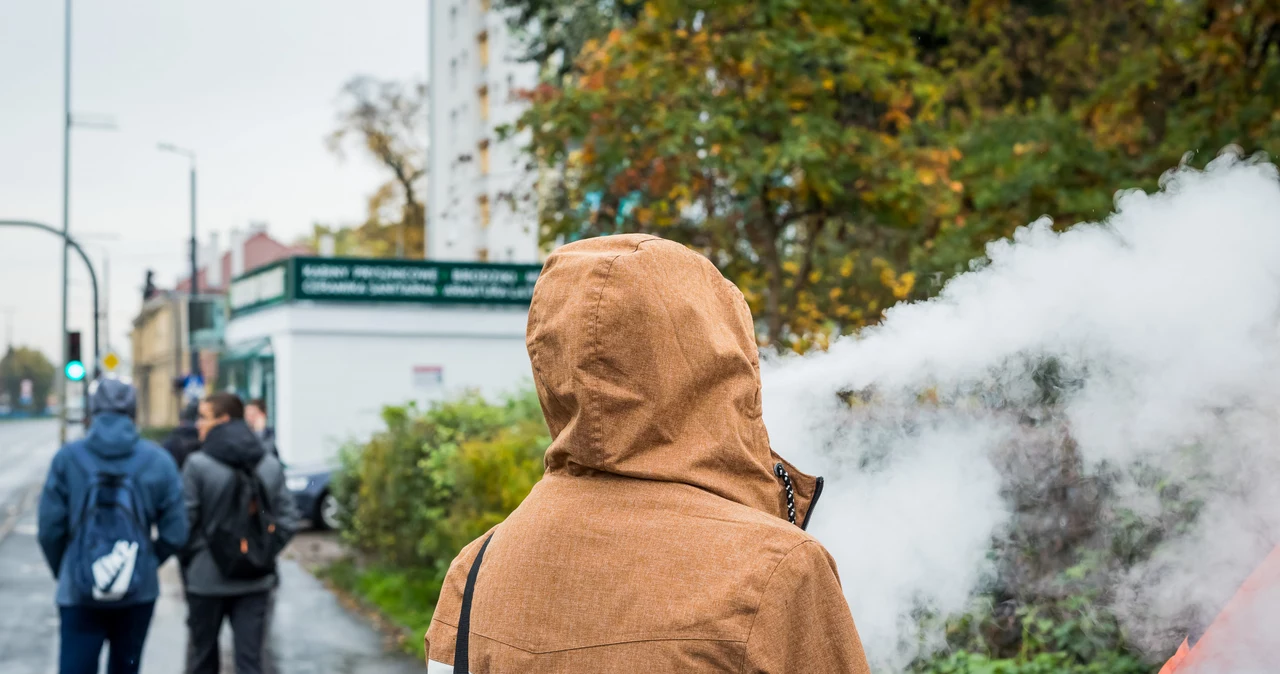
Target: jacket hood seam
x,y
593,357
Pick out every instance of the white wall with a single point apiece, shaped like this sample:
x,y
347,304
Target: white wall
x,y
336,366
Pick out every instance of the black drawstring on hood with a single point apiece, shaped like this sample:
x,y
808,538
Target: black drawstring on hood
x,y
781,471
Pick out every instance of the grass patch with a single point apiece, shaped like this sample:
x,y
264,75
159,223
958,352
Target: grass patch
x,y
407,599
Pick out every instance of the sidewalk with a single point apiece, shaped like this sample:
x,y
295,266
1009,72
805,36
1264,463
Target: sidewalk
x,y
311,632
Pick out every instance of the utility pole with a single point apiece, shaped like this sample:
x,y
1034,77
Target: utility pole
x,y
66,219
195,280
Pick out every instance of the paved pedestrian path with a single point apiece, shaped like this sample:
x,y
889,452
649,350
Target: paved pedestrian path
x,y
311,632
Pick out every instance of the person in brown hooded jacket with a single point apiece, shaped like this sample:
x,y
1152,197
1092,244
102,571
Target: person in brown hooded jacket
x,y
665,535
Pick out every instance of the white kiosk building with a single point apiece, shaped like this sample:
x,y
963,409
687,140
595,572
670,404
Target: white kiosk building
x,y
328,342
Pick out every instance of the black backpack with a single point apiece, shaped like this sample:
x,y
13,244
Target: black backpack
x,y
246,544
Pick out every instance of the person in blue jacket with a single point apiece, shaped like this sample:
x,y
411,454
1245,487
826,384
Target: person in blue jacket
x,y
103,497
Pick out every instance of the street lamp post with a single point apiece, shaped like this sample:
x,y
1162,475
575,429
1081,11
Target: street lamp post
x,y
195,287
66,205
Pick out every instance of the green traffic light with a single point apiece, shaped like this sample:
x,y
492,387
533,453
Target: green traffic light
x,y
75,370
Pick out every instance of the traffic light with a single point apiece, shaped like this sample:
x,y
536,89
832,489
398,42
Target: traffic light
x,y
75,370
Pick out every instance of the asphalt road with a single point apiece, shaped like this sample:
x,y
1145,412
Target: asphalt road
x,y
311,632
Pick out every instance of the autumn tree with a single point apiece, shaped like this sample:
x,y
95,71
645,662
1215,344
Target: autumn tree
x,y
387,121
553,32
782,144
834,158
21,364
1055,105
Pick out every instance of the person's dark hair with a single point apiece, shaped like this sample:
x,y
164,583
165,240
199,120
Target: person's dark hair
x,y
260,404
226,403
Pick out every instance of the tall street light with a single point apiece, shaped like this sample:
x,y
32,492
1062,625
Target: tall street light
x,y
195,287
66,202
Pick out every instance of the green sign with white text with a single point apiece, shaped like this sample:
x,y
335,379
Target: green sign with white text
x,y
399,281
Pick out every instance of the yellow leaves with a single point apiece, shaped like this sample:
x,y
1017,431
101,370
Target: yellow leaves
x,y
644,216
829,84
927,176
798,105
906,282
900,285
746,68
1020,149
835,294
790,267
846,267
956,186
897,118
815,276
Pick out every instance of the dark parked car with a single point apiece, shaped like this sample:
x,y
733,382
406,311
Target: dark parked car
x,y
310,488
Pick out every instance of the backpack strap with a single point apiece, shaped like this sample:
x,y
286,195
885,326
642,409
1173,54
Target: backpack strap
x,y
461,644
79,453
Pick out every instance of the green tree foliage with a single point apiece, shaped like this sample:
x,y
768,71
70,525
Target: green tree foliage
x,y
25,363
387,121
833,158
555,31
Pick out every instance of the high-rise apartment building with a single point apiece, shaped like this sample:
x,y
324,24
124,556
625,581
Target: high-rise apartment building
x,y
481,203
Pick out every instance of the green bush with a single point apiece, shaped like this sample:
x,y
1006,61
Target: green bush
x,y
1043,663
435,479
429,483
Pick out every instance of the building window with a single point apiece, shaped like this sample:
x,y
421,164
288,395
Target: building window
x,y
483,202
484,103
482,255
484,157
483,45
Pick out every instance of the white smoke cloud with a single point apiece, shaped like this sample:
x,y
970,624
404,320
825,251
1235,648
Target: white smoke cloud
x,y
1166,314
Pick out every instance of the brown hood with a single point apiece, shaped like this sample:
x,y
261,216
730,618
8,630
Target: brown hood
x,y
646,364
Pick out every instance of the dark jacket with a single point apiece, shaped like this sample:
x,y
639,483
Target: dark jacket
x,y
113,439
182,443
208,483
268,439
185,439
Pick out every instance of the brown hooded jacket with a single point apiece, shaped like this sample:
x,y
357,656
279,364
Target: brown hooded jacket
x,y
659,539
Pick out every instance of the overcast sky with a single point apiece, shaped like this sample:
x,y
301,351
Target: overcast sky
x,y
249,85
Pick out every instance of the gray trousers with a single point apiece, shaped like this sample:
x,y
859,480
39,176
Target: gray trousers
x,y
249,616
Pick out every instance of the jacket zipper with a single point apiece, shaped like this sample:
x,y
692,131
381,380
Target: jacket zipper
x,y
817,491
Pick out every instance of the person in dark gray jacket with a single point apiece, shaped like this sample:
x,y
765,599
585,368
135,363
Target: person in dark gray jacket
x,y
209,478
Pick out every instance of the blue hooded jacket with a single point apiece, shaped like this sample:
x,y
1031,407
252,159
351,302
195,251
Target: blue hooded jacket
x,y
112,440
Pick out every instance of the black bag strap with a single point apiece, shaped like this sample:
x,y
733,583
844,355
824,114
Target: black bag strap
x,y
461,644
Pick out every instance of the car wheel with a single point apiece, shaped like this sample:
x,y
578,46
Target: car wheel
x,y
328,511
